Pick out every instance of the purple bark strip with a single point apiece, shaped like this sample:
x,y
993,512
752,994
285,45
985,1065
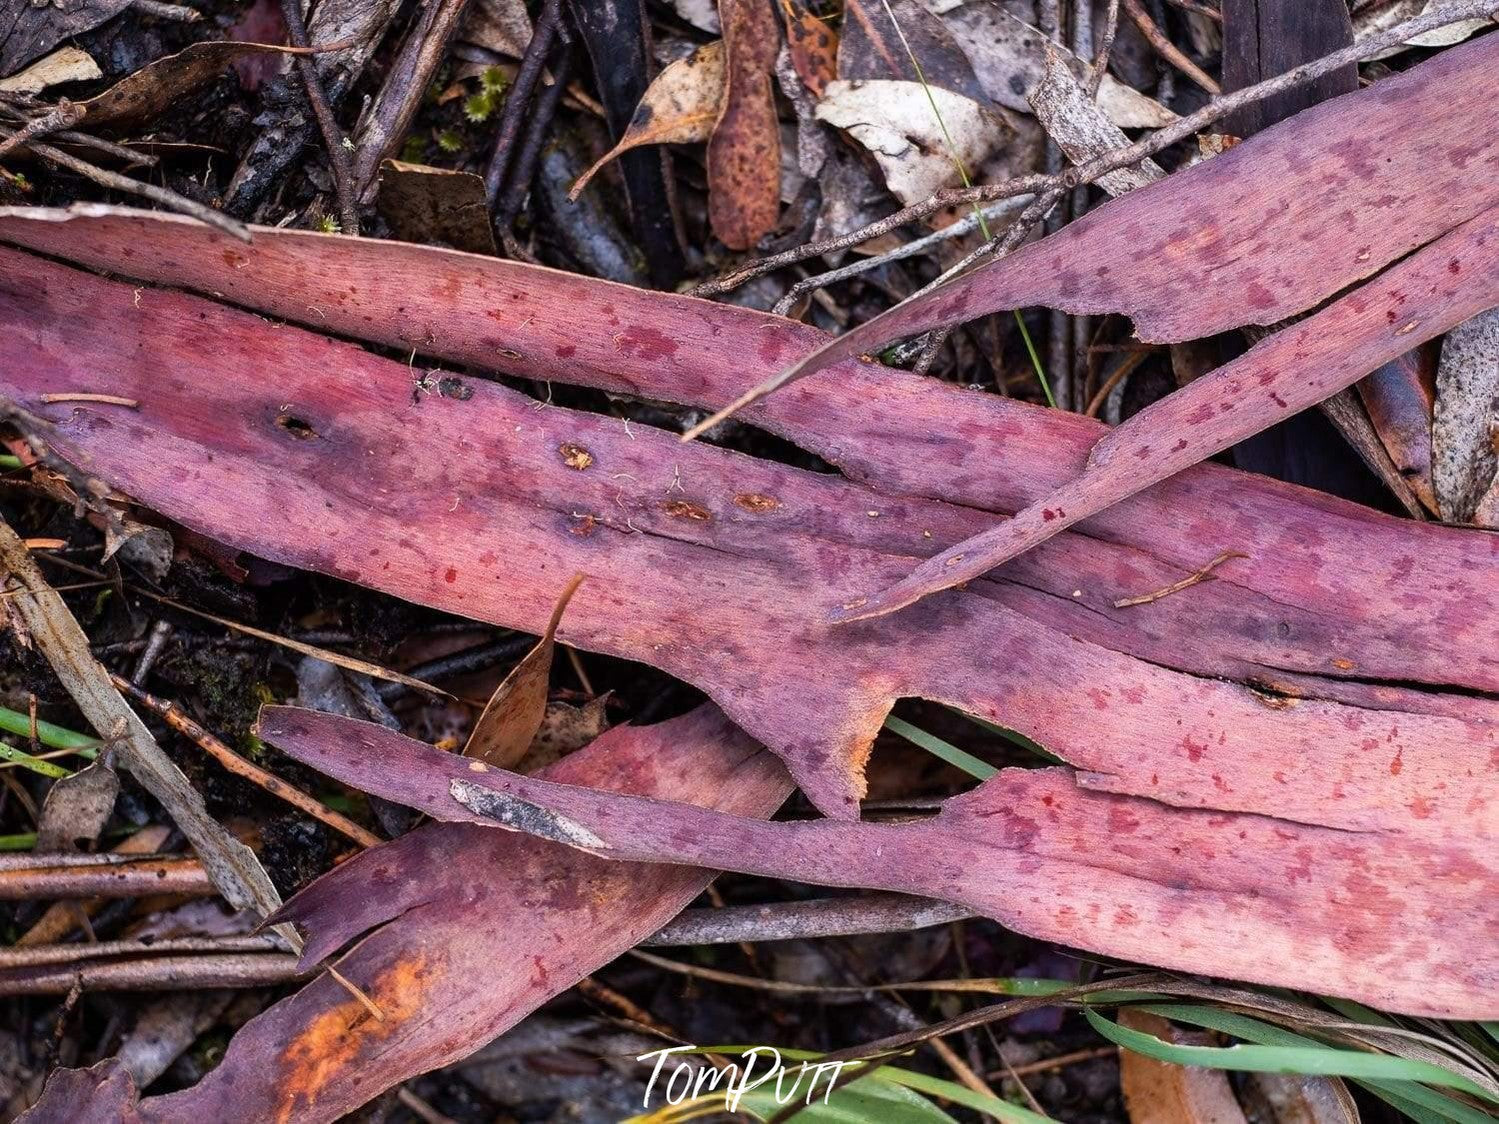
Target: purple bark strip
x,y
1431,292
708,564
1263,232
1385,918
1336,601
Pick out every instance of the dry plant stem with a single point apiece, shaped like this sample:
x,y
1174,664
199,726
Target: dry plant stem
x,y
1167,49
823,917
401,95
951,197
174,717
518,182
136,879
1105,49
1128,364
164,973
98,950
333,140
168,199
935,341
1199,575
1161,139
64,116
519,97
958,229
1201,9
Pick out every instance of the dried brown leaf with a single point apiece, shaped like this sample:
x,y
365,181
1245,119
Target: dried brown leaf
x,y
66,64
744,152
1157,1092
514,713
681,106
813,46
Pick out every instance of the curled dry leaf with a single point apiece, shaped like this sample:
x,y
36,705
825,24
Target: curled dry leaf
x,y
66,64
154,88
1465,425
734,551
896,122
504,731
1081,128
1009,57
744,152
454,952
1400,398
681,106
1275,900
813,46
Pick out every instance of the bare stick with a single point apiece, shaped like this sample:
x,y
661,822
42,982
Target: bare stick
x,y
523,168
823,917
174,717
63,116
168,199
163,973
402,93
1105,49
1196,576
1167,49
333,140
520,97
135,879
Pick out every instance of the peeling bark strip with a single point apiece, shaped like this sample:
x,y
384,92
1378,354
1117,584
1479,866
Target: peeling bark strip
x,y
723,601
1431,292
1256,235
1328,584
744,153
1384,918
465,931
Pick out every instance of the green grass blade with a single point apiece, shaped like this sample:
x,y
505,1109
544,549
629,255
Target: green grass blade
x,y
53,737
35,764
939,748
1324,1061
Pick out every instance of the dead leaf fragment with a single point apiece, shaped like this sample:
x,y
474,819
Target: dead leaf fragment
x,y
813,46
565,729
508,725
66,64
1009,57
1465,424
1082,130
436,206
77,808
680,106
895,121
154,88
744,152
1157,1092
500,25
31,29
899,40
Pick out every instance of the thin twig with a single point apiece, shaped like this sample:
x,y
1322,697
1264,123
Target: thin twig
x,y
1196,576
1132,360
519,97
174,717
1167,49
84,396
1201,9
518,180
804,920
333,139
1105,49
62,116
168,199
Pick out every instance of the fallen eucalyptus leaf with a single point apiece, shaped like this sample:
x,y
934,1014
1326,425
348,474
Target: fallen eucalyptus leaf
x,y
436,205
813,46
503,26
508,724
681,106
744,152
899,40
896,122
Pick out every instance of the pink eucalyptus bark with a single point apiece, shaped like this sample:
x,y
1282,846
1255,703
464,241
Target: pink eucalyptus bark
x,y
1333,601
713,566
1383,916
461,933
